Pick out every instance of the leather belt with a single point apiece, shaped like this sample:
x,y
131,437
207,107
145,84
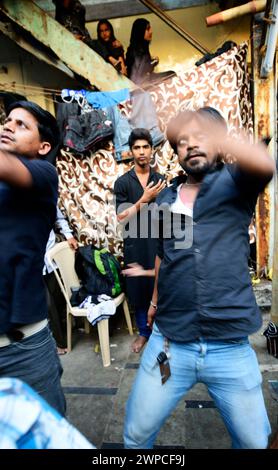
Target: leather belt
x,y
26,330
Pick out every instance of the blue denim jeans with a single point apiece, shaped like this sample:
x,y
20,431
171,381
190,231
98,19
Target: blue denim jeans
x,y
231,373
34,360
122,130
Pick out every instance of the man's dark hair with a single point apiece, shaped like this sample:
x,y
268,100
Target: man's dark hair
x,y
47,124
139,134
186,116
212,113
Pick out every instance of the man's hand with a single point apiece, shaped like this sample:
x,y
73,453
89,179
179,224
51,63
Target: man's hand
x,y
151,191
73,243
151,316
136,270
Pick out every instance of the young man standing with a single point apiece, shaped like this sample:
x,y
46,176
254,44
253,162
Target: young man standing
x,y
28,198
134,191
203,304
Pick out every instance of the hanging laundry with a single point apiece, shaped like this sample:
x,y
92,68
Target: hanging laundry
x,y
83,131
98,99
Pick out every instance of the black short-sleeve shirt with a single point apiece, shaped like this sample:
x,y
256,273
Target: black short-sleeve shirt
x,y
26,218
140,242
204,287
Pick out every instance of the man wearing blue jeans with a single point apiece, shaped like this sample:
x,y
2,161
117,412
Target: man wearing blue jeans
x,y
203,304
28,198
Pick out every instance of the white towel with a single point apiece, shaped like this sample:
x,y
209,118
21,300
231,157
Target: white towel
x,y
96,312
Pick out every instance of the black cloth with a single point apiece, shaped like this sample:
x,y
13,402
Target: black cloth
x,y
140,68
82,132
139,64
73,18
27,217
113,51
205,290
138,247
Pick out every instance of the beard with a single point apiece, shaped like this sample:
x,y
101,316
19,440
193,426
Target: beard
x,y
200,169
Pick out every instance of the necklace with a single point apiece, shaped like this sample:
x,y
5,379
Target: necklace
x,y
191,184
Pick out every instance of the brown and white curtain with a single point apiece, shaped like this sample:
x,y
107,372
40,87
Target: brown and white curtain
x,y
86,182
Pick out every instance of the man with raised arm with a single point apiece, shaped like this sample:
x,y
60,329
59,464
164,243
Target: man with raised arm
x,y
28,197
203,307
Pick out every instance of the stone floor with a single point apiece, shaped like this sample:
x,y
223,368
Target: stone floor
x,y
96,396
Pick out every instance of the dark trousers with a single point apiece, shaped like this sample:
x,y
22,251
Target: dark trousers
x,y
57,310
141,317
34,360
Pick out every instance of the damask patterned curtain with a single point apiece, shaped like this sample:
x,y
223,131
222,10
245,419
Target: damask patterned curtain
x,y
86,184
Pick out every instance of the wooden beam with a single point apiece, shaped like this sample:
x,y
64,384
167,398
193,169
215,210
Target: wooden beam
x,y
74,53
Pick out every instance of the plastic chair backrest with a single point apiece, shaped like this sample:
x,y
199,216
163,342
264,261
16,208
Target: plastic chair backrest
x,y
64,257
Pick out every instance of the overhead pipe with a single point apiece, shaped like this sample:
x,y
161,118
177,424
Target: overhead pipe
x,y
222,16
170,22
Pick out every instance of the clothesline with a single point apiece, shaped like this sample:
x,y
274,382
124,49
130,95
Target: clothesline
x,y
53,93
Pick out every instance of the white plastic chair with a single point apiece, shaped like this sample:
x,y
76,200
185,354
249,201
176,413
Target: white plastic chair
x,y
61,256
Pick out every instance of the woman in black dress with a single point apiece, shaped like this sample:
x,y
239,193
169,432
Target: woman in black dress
x,y
140,64
106,37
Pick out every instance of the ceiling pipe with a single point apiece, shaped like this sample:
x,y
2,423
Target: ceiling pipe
x,y
227,15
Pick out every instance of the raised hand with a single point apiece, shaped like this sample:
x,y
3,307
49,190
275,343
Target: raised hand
x,y
151,190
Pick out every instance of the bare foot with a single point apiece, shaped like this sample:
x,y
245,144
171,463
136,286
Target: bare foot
x,y
138,344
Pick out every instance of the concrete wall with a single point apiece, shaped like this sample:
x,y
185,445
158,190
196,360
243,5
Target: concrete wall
x,y
22,73
173,51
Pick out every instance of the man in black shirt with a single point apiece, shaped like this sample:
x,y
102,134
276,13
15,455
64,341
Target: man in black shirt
x,y
28,197
203,304
134,191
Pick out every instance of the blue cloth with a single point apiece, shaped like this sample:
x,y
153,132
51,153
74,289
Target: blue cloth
x,y
205,289
98,99
34,360
143,114
28,422
27,217
122,130
105,99
231,373
123,127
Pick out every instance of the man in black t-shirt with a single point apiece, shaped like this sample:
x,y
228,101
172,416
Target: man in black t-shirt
x,y
28,197
134,191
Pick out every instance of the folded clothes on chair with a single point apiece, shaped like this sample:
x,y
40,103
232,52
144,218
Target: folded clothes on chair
x,y
99,307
